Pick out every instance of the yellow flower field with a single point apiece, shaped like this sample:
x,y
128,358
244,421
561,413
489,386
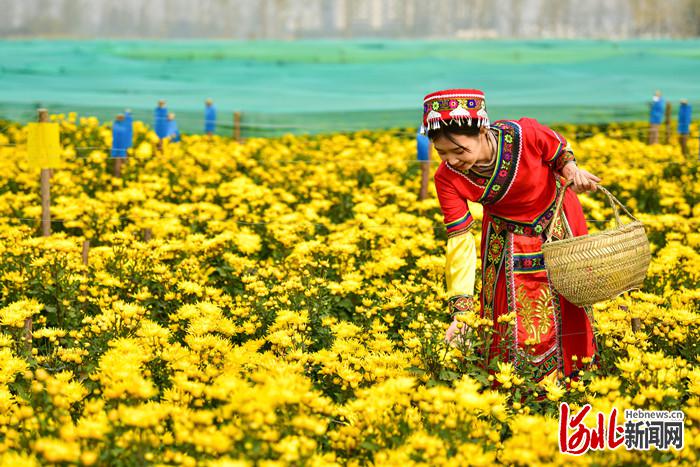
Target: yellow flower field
x,y
290,309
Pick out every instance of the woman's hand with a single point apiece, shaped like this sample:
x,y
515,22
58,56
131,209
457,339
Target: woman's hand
x,y
583,180
455,333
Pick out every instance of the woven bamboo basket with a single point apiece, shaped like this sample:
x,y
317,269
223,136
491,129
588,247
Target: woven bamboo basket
x,y
598,267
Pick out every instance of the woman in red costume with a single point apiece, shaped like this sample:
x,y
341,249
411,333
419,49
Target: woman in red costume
x,y
515,169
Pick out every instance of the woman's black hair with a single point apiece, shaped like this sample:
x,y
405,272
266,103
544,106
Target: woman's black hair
x,y
453,129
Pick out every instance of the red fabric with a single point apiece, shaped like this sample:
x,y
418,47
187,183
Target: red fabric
x,y
576,328
454,207
533,188
453,92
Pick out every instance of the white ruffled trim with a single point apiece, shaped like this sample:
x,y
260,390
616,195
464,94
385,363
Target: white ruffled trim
x,y
434,115
459,112
459,115
435,124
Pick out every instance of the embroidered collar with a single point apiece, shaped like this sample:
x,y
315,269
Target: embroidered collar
x,y
509,140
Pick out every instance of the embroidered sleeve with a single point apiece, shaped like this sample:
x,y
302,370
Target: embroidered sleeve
x,y
555,150
455,210
460,269
460,265
564,159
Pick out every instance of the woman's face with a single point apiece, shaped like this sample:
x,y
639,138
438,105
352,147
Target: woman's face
x,y
462,155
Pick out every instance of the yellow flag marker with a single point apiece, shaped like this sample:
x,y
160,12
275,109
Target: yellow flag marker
x,y
43,145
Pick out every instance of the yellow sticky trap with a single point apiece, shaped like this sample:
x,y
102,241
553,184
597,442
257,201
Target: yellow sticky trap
x,y
43,145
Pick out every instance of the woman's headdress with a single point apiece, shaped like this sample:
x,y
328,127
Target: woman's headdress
x,y
462,106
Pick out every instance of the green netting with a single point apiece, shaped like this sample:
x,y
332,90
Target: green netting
x,y
320,86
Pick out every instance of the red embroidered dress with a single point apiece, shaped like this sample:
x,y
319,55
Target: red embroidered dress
x,y
518,201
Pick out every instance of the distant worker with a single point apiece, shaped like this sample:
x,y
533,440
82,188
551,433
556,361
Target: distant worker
x,y
423,153
656,117
684,117
119,143
209,117
173,133
129,125
423,147
160,122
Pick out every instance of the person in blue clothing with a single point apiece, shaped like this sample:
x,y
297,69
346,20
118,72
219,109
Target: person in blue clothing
x,y
209,117
173,134
423,147
656,117
129,125
423,155
160,122
684,117
119,143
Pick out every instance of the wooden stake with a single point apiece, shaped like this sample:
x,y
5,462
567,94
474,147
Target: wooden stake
x,y
43,117
683,140
237,126
45,202
636,324
28,325
147,234
118,162
86,251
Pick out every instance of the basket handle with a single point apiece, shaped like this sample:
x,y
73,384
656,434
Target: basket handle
x,y
614,202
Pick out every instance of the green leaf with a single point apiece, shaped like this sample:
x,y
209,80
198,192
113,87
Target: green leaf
x,y
482,378
369,445
447,375
415,370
